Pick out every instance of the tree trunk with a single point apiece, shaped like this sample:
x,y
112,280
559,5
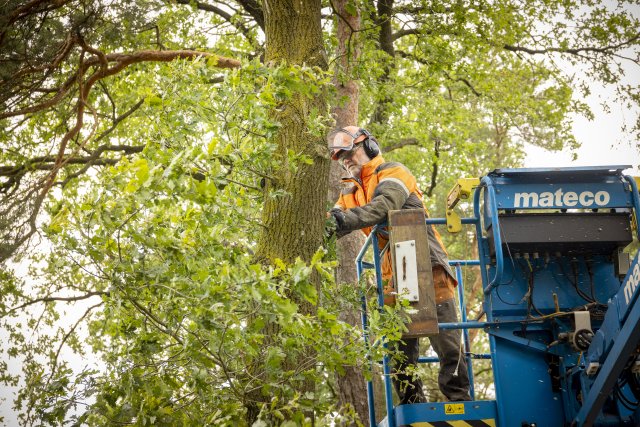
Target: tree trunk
x,y
351,386
294,222
385,41
293,219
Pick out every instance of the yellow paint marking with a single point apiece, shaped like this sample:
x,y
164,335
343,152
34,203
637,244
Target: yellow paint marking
x,y
456,423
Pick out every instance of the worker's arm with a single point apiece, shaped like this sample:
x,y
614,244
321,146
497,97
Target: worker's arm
x,y
390,194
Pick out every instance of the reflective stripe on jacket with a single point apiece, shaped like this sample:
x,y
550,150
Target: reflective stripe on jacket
x,y
386,186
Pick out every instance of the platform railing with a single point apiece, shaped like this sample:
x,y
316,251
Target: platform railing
x,y
464,325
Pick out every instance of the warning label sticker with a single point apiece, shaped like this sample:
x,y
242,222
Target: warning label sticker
x,y
453,408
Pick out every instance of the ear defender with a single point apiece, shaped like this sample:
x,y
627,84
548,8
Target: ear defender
x,y
370,145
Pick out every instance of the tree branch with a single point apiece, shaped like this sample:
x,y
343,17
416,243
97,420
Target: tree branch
x,y
406,32
64,50
573,51
400,144
27,9
118,120
342,17
223,14
415,10
385,40
54,363
122,61
37,163
254,9
159,324
462,80
52,299
434,171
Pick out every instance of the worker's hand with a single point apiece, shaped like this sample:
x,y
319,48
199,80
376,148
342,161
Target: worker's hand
x,y
330,226
336,223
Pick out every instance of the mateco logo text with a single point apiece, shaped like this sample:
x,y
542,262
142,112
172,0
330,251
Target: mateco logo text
x,y
632,284
560,198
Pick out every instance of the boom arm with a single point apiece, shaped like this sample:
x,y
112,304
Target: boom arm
x,y
613,345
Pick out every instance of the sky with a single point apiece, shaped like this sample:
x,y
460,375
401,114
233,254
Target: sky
x,y
602,139
603,144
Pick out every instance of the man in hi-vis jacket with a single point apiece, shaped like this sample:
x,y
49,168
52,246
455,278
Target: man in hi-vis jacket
x,y
374,188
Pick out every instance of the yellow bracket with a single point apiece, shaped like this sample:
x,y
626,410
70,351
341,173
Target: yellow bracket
x,y
634,218
461,191
454,223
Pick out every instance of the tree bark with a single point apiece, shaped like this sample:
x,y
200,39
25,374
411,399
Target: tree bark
x,y
294,223
351,386
293,215
385,41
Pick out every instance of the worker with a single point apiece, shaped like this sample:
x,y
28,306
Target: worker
x,y
372,189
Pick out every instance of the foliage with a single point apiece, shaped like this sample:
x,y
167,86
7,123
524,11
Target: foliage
x,y
145,179
465,85
160,246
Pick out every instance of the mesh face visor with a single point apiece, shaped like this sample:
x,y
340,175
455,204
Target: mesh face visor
x,y
342,140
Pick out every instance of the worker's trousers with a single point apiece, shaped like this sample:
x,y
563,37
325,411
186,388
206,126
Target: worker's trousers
x,y
453,378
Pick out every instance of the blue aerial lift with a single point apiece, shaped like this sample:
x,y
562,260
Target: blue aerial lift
x,y
560,297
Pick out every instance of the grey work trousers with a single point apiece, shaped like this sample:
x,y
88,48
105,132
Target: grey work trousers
x,y
447,345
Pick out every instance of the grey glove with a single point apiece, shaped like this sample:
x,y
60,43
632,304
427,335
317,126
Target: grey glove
x,y
337,218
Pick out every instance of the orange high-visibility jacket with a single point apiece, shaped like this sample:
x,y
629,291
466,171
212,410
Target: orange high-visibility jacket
x,y
385,186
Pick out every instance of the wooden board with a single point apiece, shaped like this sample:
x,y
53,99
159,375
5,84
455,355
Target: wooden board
x,y
407,225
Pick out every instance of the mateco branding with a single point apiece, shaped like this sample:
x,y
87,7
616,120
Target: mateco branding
x,y
632,284
561,198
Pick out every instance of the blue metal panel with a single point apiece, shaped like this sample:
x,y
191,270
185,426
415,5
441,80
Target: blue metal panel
x,y
551,275
636,202
570,174
559,195
428,412
566,188
628,293
491,218
523,387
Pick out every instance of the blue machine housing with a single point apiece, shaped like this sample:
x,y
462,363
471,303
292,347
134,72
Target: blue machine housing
x,y
531,362
560,298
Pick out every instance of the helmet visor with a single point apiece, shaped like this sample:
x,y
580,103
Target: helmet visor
x,y
341,141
